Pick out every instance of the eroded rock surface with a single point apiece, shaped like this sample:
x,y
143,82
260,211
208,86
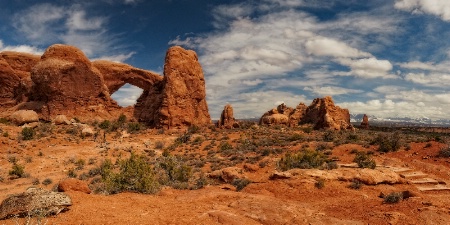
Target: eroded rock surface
x,y
34,202
365,122
226,119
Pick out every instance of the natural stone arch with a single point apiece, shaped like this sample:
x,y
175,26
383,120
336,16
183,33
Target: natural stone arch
x,y
115,75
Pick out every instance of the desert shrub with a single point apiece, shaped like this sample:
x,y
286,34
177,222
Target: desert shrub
x,y
320,183
47,181
331,165
388,142
428,145
193,129
135,175
184,138
355,184
295,137
71,173
5,134
240,183
364,160
4,120
175,170
133,127
159,145
105,124
329,135
122,119
444,152
224,145
27,133
306,159
44,129
394,197
80,164
17,170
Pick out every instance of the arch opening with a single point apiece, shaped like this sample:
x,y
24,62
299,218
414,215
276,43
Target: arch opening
x,y
127,95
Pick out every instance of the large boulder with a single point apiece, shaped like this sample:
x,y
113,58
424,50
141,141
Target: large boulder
x,y
179,100
34,202
67,83
24,116
72,184
277,116
323,114
226,119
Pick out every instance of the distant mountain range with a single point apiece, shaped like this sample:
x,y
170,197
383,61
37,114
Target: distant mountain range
x,y
357,118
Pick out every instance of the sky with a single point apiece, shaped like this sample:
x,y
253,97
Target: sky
x,y
386,58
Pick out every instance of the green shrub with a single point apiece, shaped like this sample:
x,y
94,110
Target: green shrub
x,y
122,119
394,197
240,183
47,181
71,173
306,159
175,169
105,124
364,160
388,142
134,175
133,127
4,120
27,133
17,170
5,134
444,152
355,184
184,138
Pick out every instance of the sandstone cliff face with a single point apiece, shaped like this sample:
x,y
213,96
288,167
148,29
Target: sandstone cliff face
x,y
322,113
325,115
365,122
67,83
227,120
179,100
15,79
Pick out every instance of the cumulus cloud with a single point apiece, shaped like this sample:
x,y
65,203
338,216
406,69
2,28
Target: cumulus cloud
x,y
116,58
433,79
21,48
434,7
45,24
332,91
127,95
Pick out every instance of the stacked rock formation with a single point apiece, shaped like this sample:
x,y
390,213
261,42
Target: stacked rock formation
x,y
365,122
226,119
322,114
64,81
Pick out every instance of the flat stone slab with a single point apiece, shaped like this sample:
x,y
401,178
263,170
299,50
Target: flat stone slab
x,y
349,165
414,175
399,169
425,180
434,188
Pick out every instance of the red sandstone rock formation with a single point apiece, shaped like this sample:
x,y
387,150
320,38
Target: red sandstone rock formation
x,y
365,122
115,75
66,83
227,120
323,114
179,100
15,80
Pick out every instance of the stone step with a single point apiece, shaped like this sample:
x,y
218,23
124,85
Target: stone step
x,y
425,180
414,175
434,188
348,165
399,169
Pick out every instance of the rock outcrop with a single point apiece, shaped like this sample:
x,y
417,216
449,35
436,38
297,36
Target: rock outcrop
x,y
15,79
64,81
179,100
226,119
34,202
365,122
72,184
24,116
322,114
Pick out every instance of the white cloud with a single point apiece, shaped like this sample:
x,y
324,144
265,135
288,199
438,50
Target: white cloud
x,y
116,58
21,48
439,8
322,46
46,24
332,91
368,67
127,95
433,79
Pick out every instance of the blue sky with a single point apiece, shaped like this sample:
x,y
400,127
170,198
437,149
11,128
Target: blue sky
x,y
386,58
